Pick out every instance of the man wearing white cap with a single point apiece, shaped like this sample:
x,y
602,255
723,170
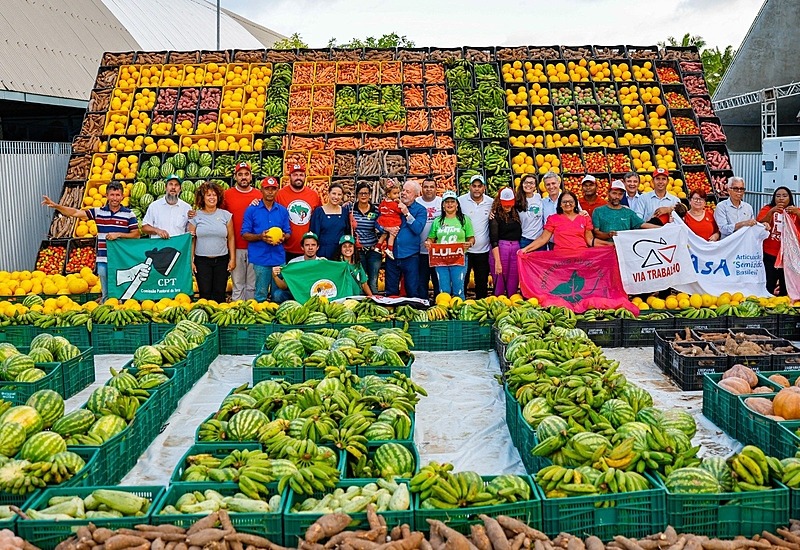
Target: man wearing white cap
x,y
589,201
613,217
476,205
300,201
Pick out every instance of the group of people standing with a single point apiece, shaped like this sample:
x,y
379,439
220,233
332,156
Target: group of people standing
x,y
232,234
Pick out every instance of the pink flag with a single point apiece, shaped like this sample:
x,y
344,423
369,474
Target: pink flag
x,y
575,279
789,256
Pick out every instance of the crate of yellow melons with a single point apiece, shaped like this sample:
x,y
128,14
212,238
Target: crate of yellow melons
x,y
116,123
103,165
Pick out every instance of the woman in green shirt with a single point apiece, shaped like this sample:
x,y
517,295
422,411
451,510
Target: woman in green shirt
x,y
347,253
451,227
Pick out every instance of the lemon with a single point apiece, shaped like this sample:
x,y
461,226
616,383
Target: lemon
x,y
696,300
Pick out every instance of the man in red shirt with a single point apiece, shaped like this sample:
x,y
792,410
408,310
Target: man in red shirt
x,y
236,201
590,200
300,201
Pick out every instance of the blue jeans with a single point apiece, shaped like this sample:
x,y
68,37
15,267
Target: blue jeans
x,y
523,242
427,273
409,269
102,273
264,282
371,262
451,279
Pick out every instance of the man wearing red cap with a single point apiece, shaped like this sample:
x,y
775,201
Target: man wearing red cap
x,y
656,206
300,201
236,200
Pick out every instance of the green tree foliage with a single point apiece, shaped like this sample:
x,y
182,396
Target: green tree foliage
x,y
715,61
392,40
294,41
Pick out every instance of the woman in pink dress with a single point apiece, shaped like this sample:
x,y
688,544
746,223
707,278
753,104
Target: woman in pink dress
x,y
570,229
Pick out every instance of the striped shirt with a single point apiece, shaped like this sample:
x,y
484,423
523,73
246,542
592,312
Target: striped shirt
x,y
121,221
365,225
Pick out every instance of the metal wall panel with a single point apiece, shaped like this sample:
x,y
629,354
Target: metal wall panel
x,y
28,170
748,166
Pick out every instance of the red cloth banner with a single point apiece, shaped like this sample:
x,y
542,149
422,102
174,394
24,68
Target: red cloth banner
x,y
446,255
578,280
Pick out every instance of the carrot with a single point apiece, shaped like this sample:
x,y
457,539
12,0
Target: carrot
x,y
412,73
443,163
416,142
347,72
441,120
353,128
323,96
299,120
369,72
419,163
294,157
319,184
445,183
300,96
444,142
320,163
412,96
346,143
299,142
322,120
390,72
377,144
325,72
436,96
303,73
417,120
434,73
394,126
364,127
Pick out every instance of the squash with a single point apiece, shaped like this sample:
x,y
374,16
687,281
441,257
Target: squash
x,y
763,389
787,403
745,373
781,380
761,405
735,385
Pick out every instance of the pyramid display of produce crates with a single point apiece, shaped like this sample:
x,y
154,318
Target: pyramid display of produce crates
x,y
365,115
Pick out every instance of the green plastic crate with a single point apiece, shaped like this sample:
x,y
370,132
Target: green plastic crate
x,y
512,418
243,339
469,336
269,525
210,347
159,330
429,335
84,478
794,503
634,515
719,405
77,336
375,326
219,450
294,375
112,339
48,534
295,525
384,372
114,458
78,372
787,443
460,519
167,392
728,515
19,392
528,440
17,335
146,425
753,428
371,447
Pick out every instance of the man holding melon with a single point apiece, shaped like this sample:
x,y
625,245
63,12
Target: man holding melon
x,y
237,199
265,226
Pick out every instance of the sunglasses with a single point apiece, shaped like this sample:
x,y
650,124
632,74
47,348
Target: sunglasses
x,y
740,189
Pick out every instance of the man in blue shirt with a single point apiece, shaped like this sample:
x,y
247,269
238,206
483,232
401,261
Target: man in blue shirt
x,y
406,245
264,251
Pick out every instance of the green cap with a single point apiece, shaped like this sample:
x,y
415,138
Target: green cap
x,y
174,177
347,239
309,235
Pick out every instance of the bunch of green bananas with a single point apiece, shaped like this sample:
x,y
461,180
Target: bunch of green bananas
x,y
441,488
65,319
751,470
465,127
242,314
20,477
697,313
789,469
486,72
224,165
560,482
109,315
468,153
491,96
482,310
459,75
654,316
272,166
495,156
171,315
464,100
495,126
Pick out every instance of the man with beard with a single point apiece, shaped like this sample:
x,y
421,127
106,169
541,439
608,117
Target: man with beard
x,y
237,199
433,206
476,205
590,199
613,217
300,201
406,246
168,216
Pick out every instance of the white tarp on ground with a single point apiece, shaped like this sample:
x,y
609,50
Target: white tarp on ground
x,y
462,421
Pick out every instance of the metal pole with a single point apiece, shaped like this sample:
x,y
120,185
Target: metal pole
x,y
218,1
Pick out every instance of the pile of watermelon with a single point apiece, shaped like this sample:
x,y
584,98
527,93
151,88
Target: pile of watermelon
x,y
16,366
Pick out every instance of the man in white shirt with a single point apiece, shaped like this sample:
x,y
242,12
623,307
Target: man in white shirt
x,y
632,195
310,244
433,206
477,205
168,216
733,213
657,205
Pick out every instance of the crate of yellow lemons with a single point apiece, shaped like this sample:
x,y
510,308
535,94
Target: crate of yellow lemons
x,y
22,283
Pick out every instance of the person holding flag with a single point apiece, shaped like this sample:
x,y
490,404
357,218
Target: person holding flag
x,y
451,227
348,254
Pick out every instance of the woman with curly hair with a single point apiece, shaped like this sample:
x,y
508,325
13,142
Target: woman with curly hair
x,y
505,232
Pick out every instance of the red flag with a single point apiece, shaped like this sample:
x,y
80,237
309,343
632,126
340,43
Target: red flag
x,y
578,280
444,255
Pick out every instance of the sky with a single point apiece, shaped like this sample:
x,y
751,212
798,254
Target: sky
x,y
482,23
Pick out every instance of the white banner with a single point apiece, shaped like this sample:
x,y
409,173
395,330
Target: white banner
x,y
734,264
654,259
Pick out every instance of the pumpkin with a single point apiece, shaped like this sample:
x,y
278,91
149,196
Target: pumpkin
x,y
781,380
735,385
745,373
761,405
787,403
763,389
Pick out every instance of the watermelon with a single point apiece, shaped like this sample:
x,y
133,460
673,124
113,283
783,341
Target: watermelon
x,y
41,355
265,361
167,169
122,381
536,410
617,412
394,460
692,481
147,355
138,190
42,446
551,425
205,159
328,386
66,352
267,389
12,437
380,431
145,201
7,350
178,340
32,300
30,375
286,347
155,161
189,186
245,425
638,398
198,316
178,160
187,197
204,172
650,416
153,172
102,398
49,404
28,417
72,461
14,366
193,154
158,188
76,422
515,483
191,170
108,426
719,468
680,420
289,412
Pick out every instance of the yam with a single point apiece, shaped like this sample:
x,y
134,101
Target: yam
x,y
122,542
479,538
627,543
495,533
516,542
205,523
327,526
158,544
517,526
453,539
206,536
594,543
101,535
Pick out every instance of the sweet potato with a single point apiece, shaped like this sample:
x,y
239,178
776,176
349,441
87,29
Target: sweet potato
x,y
516,542
494,531
454,539
166,528
327,526
516,526
479,538
201,538
122,542
736,544
158,544
204,523
627,543
594,543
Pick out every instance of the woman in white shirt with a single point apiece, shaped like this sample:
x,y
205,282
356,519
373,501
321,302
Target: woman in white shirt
x,y
529,206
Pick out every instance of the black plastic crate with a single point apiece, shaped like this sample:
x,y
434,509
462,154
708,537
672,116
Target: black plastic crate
x,y
607,334
789,326
662,347
641,332
688,371
767,322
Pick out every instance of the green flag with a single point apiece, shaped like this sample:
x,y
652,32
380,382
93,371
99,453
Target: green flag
x,y
150,269
320,278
